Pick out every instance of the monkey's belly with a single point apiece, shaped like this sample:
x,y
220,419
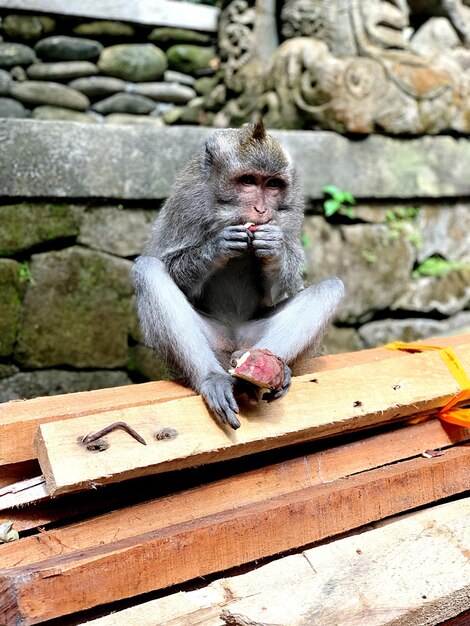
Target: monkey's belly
x,y
233,293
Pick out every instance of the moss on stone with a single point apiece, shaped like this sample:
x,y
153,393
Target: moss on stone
x,y
188,59
79,311
25,225
11,293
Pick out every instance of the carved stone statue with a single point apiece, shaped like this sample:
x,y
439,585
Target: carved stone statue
x,y
356,66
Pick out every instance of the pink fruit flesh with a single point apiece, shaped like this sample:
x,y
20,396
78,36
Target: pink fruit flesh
x,y
262,368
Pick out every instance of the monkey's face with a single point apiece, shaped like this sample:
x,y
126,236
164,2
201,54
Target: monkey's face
x,y
248,173
259,197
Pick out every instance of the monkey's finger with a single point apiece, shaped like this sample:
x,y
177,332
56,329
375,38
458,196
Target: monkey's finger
x,y
268,237
235,356
271,396
227,412
268,229
271,251
266,245
222,403
237,245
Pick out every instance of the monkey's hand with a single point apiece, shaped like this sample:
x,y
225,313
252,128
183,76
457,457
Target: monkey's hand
x,y
217,391
230,242
268,242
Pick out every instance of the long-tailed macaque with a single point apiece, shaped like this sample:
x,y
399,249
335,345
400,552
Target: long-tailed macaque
x,y
209,288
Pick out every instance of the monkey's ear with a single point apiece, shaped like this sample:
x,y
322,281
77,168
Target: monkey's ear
x,y
259,131
207,157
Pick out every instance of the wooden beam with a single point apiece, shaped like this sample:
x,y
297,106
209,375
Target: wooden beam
x,y
330,464
414,570
23,492
10,474
19,419
160,13
36,586
329,403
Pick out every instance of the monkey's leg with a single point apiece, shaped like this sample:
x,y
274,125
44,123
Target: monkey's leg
x,y
298,326
179,333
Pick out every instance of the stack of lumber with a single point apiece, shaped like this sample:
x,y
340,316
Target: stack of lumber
x,y
342,450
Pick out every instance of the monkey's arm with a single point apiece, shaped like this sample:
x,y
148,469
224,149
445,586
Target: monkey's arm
x,y
282,261
191,267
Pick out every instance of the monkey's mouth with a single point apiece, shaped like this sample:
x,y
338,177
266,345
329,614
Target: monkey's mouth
x,y
250,223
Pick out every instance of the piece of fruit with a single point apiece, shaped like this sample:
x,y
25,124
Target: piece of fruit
x,y
251,226
262,368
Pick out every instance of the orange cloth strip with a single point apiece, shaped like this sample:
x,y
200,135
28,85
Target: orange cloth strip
x,y
459,417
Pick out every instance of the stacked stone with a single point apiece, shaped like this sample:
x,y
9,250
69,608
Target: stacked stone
x,y
103,71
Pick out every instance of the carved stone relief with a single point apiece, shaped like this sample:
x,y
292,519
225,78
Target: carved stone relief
x,y
351,66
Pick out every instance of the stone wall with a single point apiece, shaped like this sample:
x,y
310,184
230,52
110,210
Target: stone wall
x,y
77,202
102,102
69,66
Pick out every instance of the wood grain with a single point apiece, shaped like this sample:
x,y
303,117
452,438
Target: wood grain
x,y
33,591
324,465
19,419
329,403
411,571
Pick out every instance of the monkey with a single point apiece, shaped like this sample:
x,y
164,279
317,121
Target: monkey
x,y
207,288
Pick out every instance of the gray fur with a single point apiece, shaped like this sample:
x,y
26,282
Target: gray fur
x,y
206,287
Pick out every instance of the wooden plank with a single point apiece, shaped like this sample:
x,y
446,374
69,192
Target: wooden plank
x,y
36,586
326,465
414,570
335,462
160,13
332,463
330,403
19,419
10,474
23,492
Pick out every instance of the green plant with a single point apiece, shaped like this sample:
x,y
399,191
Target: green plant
x,y
399,221
369,256
24,273
339,202
437,266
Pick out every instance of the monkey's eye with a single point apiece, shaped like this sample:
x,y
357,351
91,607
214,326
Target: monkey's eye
x,y
275,183
247,179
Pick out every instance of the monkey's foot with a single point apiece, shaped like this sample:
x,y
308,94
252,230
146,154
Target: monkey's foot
x,y
217,391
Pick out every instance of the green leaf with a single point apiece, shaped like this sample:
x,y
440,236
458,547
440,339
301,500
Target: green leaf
x,y
331,207
437,266
349,198
331,189
349,212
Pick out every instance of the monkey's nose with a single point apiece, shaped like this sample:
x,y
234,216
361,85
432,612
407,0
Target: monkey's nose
x,y
259,210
